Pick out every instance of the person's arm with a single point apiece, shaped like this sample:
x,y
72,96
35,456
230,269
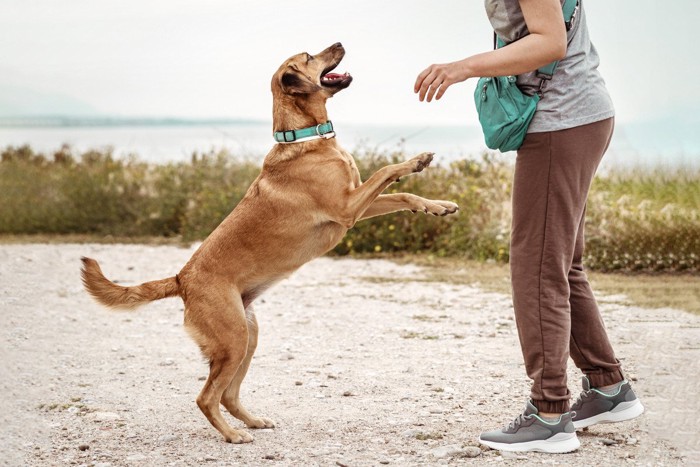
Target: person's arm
x,y
545,44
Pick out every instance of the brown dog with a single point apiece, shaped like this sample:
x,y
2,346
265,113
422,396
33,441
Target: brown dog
x,y
301,205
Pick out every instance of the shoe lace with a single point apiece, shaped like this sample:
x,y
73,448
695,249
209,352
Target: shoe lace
x,y
585,395
518,421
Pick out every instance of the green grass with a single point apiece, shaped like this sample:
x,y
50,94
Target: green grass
x,y
96,194
645,220
638,221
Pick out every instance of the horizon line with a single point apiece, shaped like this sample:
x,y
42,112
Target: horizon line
x,y
58,120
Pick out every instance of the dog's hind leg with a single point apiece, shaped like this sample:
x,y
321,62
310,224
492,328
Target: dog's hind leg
x,y
219,327
230,398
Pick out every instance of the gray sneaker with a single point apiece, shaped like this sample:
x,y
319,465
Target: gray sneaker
x,y
529,432
594,406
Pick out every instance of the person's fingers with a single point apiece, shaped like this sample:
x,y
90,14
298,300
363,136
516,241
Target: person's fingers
x,y
421,78
433,82
433,88
427,83
442,90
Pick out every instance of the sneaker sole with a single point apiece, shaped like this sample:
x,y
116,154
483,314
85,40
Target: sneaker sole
x,y
558,444
633,411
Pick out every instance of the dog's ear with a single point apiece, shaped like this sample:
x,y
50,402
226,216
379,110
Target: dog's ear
x,y
294,82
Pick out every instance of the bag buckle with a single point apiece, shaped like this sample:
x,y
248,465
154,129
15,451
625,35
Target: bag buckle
x,y
572,20
540,89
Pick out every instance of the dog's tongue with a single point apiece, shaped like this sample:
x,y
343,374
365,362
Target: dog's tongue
x,y
332,76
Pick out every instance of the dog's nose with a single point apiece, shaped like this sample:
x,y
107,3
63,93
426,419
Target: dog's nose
x,y
337,45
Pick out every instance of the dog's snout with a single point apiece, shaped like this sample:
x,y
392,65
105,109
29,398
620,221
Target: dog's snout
x,y
335,48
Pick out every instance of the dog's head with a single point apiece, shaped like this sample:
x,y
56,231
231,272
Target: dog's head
x,y
305,74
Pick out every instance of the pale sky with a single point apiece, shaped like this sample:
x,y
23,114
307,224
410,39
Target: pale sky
x,y
215,58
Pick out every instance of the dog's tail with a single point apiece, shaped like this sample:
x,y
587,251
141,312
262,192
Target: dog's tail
x,y
116,296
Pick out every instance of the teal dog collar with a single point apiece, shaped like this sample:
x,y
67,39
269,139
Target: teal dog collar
x,y
322,130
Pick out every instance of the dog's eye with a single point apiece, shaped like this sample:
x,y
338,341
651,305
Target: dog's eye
x,y
309,57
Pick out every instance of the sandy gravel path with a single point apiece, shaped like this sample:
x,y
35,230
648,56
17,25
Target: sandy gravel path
x,y
360,362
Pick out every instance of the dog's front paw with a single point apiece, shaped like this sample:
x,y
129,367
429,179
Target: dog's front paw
x,y
422,161
259,422
439,208
448,207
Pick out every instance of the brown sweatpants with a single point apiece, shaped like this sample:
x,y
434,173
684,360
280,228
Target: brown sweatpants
x,y
555,310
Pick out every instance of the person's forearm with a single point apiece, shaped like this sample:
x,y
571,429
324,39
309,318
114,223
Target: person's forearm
x,y
545,43
527,54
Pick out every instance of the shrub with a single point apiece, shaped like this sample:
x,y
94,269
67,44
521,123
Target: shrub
x,y
637,220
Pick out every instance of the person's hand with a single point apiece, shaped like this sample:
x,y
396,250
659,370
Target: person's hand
x,y
437,78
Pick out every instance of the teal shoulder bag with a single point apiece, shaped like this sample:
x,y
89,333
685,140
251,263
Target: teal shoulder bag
x,y
505,112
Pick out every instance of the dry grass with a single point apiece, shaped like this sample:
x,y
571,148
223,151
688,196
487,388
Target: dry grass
x,y
644,290
9,239
652,291
490,276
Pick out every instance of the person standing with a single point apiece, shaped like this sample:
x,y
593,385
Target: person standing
x,y
555,310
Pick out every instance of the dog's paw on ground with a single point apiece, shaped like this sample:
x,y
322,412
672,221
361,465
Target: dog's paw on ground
x,y
260,423
238,437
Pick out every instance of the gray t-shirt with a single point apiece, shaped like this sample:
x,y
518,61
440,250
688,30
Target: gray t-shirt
x,y
576,95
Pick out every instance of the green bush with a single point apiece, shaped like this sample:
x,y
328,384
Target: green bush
x,y
480,187
96,193
637,220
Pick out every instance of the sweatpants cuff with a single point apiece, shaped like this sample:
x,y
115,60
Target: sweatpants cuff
x,y
605,378
551,406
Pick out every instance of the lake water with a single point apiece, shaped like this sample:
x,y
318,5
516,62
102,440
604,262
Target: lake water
x,y
632,146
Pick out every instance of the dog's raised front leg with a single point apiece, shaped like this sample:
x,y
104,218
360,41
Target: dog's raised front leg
x,y
230,398
385,204
363,196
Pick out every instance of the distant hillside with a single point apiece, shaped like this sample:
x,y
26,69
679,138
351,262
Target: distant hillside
x,y
24,107
51,121
18,101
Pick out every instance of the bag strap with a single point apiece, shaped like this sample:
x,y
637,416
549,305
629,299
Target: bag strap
x,y
569,10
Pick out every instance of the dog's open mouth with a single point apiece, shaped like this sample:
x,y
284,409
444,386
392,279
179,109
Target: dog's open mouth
x,y
335,79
